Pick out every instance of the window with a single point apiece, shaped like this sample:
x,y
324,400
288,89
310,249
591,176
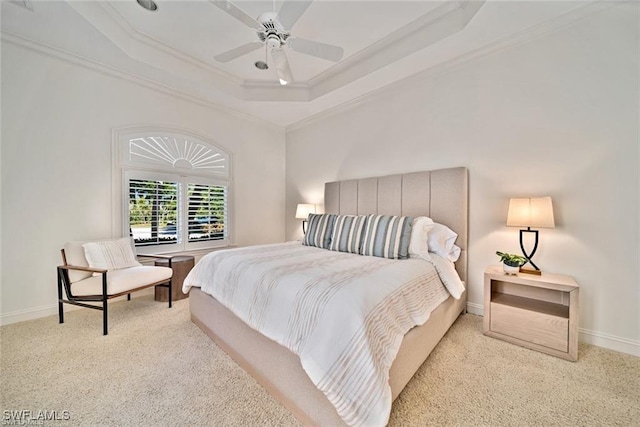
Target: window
x,y
207,211
176,192
153,211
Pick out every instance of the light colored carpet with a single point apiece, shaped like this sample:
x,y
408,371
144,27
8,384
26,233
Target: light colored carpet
x,y
157,368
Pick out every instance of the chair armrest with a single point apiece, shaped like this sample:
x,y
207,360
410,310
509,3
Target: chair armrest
x,y
77,267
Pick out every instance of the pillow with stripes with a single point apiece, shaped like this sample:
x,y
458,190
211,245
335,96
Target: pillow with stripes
x,y
319,229
387,236
347,233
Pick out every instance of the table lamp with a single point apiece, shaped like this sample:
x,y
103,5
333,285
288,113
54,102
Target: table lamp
x,y
530,212
302,212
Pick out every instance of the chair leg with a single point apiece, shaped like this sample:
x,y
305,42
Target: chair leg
x,y
60,309
128,297
104,317
104,304
170,282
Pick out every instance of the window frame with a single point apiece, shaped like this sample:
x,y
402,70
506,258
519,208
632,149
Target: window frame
x,y
125,168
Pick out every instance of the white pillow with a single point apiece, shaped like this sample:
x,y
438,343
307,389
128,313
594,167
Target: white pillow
x,y
449,276
418,247
111,254
441,241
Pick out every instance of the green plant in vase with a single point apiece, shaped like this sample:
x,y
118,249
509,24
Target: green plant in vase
x,y
510,262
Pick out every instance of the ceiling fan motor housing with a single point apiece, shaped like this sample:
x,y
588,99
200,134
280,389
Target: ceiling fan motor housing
x,y
273,34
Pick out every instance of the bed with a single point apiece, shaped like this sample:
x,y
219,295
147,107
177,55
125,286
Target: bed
x,y
440,195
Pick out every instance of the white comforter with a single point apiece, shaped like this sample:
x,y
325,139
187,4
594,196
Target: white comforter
x,y
344,315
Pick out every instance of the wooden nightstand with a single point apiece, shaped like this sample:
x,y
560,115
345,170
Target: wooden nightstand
x,y
537,312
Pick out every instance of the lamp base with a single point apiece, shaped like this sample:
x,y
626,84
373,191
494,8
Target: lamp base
x,y
530,271
535,271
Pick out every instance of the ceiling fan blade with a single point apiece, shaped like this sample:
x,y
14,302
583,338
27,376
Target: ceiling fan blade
x,y
291,11
282,66
313,48
238,51
237,13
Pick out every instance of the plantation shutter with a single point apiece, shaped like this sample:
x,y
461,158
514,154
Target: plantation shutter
x,y
207,212
153,212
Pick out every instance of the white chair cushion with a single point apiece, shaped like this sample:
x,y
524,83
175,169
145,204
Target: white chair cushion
x,y
75,254
121,280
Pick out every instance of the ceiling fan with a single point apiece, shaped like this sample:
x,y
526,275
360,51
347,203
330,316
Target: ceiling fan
x,y
273,31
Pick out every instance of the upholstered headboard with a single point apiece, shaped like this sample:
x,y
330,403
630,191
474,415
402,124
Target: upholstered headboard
x,y
440,194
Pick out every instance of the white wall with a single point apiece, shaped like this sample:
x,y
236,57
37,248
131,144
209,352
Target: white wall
x,y
57,119
556,115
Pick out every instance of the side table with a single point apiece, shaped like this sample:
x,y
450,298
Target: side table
x,y
181,266
537,312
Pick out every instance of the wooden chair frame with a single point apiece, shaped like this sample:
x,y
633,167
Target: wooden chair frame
x,y
64,281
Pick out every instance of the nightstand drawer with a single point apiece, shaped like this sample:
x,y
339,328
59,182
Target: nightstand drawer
x,y
537,327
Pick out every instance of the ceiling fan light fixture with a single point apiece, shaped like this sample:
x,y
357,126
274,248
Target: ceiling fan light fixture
x,y
281,63
273,42
150,5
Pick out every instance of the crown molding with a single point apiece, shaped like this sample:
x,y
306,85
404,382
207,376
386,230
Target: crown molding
x,y
91,64
272,92
141,47
435,25
519,38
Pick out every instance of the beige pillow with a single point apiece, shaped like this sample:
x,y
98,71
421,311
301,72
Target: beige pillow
x,y
111,254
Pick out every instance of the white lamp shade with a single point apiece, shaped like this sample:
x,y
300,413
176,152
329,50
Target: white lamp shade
x,y
304,209
531,212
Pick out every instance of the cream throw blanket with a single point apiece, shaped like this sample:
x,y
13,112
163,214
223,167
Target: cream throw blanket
x,y
344,315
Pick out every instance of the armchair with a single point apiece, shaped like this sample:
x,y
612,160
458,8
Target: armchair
x,y
95,272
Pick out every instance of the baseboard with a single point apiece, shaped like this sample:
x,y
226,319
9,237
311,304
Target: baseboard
x,y
28,314
474,308
623,345
51,310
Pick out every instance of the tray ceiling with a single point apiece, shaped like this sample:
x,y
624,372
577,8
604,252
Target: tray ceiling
x,y
383,42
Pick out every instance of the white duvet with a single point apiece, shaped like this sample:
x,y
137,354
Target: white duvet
x,y
343,315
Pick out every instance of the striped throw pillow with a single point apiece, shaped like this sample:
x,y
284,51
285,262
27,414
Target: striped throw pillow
x,y
347,233
387,236
319,229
